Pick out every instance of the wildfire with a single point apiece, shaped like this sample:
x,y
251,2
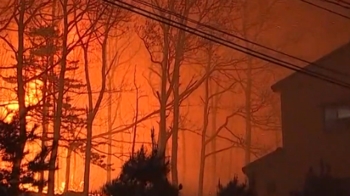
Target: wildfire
x,y
33,97
7,110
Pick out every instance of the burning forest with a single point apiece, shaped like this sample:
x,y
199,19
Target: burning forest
x,y
138,98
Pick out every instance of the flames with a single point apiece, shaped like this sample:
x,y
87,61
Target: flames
x,y
7,110
33,97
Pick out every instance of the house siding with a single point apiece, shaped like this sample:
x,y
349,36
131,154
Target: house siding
x,y
305,140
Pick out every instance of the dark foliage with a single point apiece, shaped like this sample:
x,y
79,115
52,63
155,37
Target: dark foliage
x,y
10,141
144,174
324,184
234,188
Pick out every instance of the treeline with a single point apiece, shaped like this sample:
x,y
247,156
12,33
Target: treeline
x,y
145,173
55,49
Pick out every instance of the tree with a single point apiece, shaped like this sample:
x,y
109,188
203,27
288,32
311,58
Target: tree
x,y
72,15
21,15
102,25
26,16
10,148
254,76
45,46
223,80
116,27
144,174
168,47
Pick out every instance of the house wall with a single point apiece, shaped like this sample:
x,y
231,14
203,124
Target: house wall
x,y
305,139
270,177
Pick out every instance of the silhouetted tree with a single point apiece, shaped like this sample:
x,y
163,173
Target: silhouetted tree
x,y
234,188
323,184
10,148
144,174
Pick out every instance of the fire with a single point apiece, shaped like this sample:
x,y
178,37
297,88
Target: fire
x,y
33,97
7,109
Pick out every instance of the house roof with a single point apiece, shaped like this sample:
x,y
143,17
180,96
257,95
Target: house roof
x,y
271,157
316,66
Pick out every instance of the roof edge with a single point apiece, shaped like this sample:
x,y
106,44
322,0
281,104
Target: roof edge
x,y
246,168
277,87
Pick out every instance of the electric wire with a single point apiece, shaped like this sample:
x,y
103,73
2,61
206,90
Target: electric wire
x,y
245,50
341,4
325,9
237,37
224,42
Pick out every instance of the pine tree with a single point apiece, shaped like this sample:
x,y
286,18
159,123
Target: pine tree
x,y
9,147
44,58
143,174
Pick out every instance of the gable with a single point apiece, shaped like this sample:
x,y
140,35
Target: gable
x,y
334,65
273,157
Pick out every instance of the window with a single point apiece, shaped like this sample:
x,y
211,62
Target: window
x,y
337,117
343,112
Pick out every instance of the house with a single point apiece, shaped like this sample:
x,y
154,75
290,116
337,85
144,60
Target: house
x,y
315,126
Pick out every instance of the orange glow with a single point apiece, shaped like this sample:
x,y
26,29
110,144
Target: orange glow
x,y
33,97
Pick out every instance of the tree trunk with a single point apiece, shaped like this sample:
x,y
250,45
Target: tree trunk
x,y
67,175
109,142
92,109
45,121
87,157
204,132
16,167
162,132
89,123
74,168
184,157
57,184
248,119
214,105
247,92
176,115
59,103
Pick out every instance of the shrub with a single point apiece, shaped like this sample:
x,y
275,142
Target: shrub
x,y
144,174
323,184
234,188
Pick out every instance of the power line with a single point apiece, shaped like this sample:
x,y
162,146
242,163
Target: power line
x,y
237,37
223,42
340,3
326,9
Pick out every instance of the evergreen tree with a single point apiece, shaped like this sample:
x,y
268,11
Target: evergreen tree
x,y
10,141
143,174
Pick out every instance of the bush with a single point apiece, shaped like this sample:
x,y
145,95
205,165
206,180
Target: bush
x,y
144,174
234,188
323,184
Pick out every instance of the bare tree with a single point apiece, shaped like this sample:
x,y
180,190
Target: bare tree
x,y
254,75
70,14
118,46
168,47
102,25
138,96
214,60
